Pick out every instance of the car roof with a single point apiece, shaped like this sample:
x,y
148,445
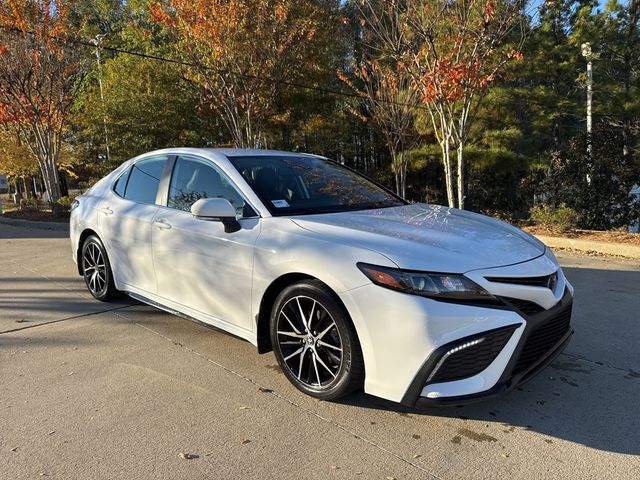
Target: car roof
x,y
225,152
254,152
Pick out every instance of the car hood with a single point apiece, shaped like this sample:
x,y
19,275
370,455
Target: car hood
x,y
428,237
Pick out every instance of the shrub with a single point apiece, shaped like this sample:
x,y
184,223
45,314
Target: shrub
x,y
557,219
29,204
595,186
65,204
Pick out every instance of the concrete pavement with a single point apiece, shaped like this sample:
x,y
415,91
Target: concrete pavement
x,y
91,390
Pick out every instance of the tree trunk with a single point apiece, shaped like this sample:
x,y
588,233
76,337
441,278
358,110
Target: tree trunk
x,y
49,172
396,164
461,177
26,190
401,175
448,174
403,178
397,177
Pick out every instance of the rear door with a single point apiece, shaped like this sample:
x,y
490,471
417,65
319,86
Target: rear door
x,y
125,218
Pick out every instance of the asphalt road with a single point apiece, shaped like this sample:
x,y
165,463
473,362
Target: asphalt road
x,y
91,390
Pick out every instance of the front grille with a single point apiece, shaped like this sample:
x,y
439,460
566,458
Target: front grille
x,y
469,361
525,306
542,339
546,281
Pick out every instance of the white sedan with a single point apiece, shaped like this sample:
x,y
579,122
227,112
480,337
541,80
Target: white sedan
x,y
349,285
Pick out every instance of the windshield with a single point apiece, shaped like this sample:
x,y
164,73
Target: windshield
x,y
297,185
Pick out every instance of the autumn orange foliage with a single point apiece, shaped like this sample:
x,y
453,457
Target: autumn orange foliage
x,y
45,19
452,70
32,38
37,77
453,50
242,49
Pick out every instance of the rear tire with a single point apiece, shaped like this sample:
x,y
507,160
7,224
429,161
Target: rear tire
x,y
314,341
96,269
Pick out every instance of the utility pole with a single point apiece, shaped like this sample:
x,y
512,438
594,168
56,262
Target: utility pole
x,y
588,54
96,41
589,94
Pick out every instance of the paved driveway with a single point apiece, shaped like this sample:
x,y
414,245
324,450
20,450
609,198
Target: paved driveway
x,y
91,390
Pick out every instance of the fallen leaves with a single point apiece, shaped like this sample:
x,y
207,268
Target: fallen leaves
x,y
245,441
187,456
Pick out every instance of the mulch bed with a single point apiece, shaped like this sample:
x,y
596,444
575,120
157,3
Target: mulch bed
x,y
36,216
614,236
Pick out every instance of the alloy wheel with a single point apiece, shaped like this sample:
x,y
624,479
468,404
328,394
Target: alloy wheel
x,y
94,267
310,342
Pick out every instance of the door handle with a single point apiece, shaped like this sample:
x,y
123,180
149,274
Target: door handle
x,y
107,211
162,224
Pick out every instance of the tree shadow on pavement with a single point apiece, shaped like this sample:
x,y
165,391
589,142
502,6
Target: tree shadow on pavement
x,y
14,232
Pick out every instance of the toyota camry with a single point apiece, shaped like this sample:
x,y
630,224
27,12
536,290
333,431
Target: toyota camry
x,y
349,285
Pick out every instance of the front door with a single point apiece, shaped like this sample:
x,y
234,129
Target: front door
x,y
197,264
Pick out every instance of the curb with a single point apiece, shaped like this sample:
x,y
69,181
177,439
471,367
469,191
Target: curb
x,y
57,226
605,248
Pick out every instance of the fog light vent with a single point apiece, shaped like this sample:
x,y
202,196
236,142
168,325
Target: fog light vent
x,y
470,357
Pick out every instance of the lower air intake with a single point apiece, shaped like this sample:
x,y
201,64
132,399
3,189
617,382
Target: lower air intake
x,y
543,339
470,357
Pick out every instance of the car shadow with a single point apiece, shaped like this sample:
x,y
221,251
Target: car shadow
x,y
554,404
589,394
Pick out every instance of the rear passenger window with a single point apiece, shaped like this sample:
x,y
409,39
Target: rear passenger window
x,y
121,183
144,178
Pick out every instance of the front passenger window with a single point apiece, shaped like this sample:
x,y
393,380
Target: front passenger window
x,y
193,179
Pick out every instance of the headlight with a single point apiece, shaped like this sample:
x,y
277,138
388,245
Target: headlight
x,y
434,285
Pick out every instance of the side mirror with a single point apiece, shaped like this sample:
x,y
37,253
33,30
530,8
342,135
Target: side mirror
x,y
217,209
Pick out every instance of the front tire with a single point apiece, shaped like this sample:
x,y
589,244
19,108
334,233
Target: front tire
x,y
96,270
315,342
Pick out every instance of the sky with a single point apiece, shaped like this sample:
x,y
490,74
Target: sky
x,y
537,3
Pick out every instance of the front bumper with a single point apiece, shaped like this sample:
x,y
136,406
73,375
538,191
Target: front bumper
x,y
524,364
403,337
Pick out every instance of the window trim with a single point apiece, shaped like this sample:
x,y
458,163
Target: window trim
x,y
169,175
162,194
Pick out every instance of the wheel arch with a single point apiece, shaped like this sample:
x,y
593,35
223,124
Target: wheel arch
x,y
86,233
269,298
